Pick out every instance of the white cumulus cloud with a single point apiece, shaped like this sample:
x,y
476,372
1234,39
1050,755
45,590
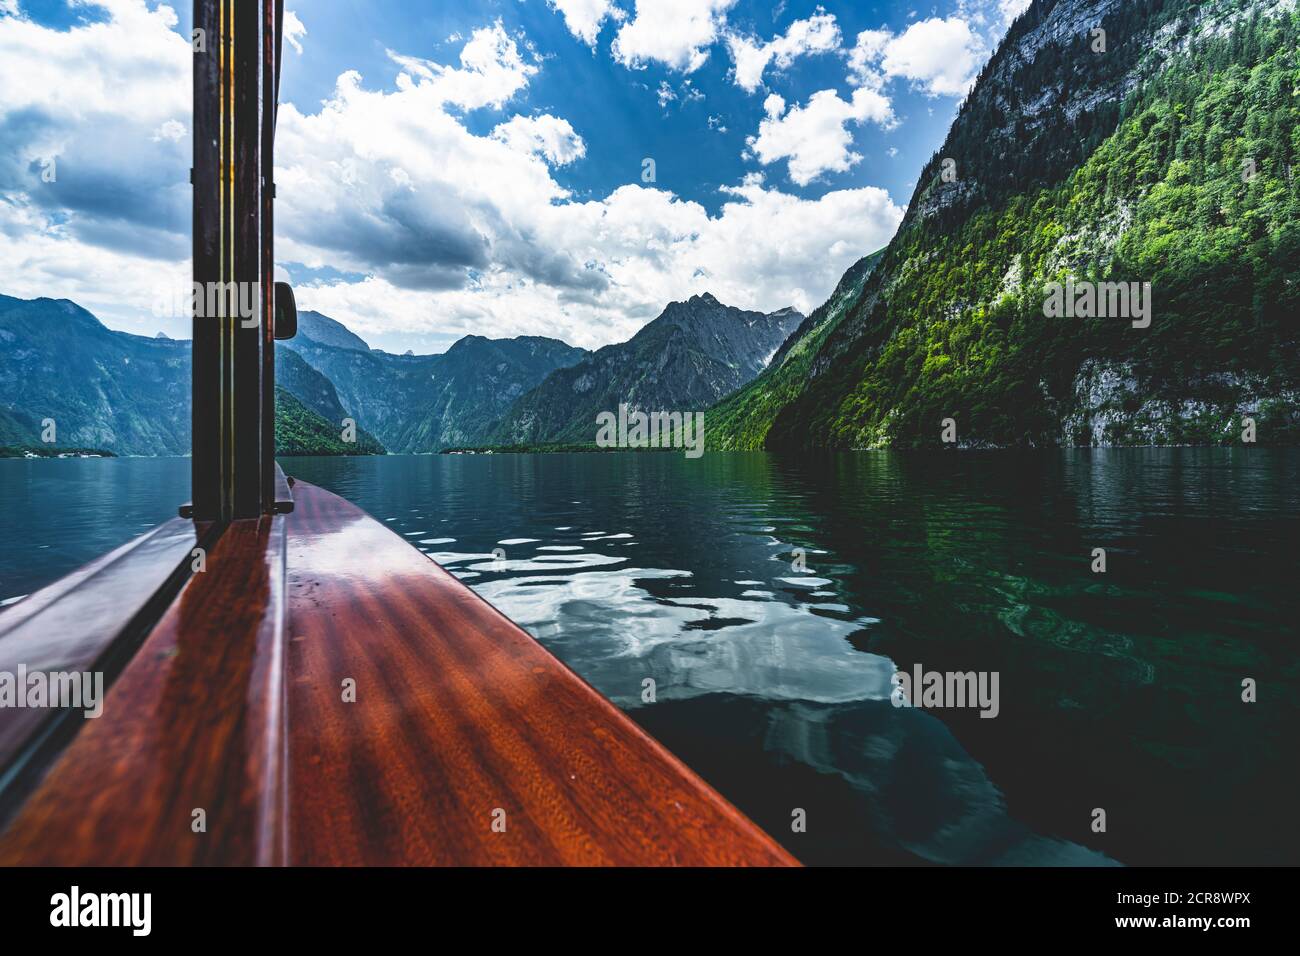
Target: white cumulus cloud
x,y
676,33
437,225
990,17
294,30
584,18
1010,9
817,34
940,56
491,71
104,108
656,248
816,138
549,136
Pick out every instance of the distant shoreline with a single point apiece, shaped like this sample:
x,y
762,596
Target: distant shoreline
x,y
36,451
561,448
12,453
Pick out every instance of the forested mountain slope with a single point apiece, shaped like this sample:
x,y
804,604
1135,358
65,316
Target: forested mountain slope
x,y
741,421
1171,156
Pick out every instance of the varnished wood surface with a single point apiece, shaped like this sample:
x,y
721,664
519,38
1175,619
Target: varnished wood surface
x,y
196,721
460,714
69,625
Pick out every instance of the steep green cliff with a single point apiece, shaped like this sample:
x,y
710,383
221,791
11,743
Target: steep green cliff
x,y
1171,156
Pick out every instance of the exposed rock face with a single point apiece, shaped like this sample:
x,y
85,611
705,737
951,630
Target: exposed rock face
x,y
1032,99
1112,408
475,382
126,393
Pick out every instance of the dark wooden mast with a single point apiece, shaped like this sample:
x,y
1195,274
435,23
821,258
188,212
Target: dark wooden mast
x,y
236,79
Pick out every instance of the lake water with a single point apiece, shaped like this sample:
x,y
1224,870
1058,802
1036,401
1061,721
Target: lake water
x,y
771,599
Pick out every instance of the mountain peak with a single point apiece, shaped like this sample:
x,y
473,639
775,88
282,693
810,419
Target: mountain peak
x,y
323,330
694,353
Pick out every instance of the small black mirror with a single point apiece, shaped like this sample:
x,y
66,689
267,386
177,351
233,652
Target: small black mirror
x,y
286,312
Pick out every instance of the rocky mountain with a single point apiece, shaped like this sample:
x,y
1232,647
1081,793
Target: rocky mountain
x,y
103,389
1107,144
322,330
131,394
424,403
475,382
685,360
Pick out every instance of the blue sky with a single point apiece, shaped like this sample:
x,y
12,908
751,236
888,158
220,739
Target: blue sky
x,y
617,111
479,165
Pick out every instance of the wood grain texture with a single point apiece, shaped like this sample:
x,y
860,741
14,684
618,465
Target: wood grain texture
x,y
69,625
460,713
195,721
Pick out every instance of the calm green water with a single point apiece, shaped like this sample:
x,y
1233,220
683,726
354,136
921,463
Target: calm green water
x,y
1119,691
